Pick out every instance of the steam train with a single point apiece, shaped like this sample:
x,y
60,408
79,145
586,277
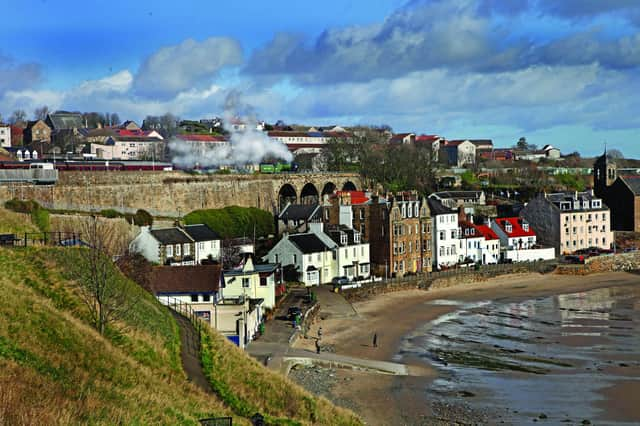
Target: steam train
x,y
92,165
279,167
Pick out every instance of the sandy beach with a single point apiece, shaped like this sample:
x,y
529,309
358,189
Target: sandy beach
x,y
381,399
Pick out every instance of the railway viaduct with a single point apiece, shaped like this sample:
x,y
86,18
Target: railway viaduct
x,y
174,193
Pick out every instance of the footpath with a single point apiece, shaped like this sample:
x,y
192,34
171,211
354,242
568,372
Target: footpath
x,y
190,353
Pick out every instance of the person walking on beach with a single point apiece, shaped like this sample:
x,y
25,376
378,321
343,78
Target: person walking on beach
x,y
375,340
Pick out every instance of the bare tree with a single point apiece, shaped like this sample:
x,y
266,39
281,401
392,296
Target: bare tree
x,y
41,113
18,116
105,292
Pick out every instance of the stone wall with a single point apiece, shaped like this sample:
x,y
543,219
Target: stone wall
x,y
612,263
167,193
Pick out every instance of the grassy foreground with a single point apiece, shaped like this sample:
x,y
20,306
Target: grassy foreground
x,y
56,369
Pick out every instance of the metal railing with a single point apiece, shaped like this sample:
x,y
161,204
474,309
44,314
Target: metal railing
x,y
185,310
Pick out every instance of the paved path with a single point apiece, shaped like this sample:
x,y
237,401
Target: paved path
x,y
190,353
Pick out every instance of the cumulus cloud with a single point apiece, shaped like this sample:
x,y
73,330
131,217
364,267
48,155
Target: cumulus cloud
x,y
190,64
17,76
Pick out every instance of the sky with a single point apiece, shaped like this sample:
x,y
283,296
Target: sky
x,y
560,72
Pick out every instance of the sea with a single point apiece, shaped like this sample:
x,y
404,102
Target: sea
x,y
564,359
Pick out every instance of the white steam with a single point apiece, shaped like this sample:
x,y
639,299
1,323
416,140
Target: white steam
x,y
245,146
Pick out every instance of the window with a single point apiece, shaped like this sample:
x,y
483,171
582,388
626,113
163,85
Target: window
x,y
441,251
361,250
410,212
263,281
295,258
364,269
442,235
355,254
596,204
417,210
310,276
362,229
525,227
508,227
574,229
319,257
245,282
326,214
404,211
194,297
361,213
201,246
206,297
410,245
356,237
343,238
186,250
169,250
276,258
177,249
453,234
346,253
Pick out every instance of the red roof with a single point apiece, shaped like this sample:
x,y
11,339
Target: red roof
x,y
357,197
487,232
516,228
427,138
16,131
202,138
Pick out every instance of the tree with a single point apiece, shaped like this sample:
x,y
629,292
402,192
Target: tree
x,y
41,113
114,119
615,154
18,116
101,288
522,144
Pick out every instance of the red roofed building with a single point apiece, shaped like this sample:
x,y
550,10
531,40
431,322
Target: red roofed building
x,y
478,243
17,136
518,240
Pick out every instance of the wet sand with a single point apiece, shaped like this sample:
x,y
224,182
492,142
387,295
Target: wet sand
x,y
403,400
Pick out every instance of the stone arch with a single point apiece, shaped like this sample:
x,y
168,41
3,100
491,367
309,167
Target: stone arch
x,y
287,194
349,186
328,188
309,194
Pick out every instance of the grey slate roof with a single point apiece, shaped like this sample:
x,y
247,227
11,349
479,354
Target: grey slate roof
x,y
308,243
437,207
201,232
170,236
633,182
65,120
335,234
299,212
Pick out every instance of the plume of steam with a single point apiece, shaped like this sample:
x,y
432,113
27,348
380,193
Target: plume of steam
x,y
245,146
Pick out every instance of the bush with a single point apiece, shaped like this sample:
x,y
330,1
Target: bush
x,y
22,206
110,213
234,221
142,218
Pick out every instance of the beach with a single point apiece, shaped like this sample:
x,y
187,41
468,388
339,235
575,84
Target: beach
x,y
384,399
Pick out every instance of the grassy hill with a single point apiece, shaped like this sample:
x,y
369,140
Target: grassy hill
x,y
56,369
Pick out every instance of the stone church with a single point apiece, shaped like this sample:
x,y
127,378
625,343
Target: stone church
x,y
620,190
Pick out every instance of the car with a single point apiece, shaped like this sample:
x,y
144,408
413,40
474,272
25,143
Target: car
x,y
340,280
293,312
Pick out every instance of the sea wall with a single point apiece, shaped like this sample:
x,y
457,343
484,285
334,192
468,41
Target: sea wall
x,y
609,263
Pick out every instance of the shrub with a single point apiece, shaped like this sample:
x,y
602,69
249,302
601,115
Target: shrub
x,y
21,206
110,213
142,218
234,221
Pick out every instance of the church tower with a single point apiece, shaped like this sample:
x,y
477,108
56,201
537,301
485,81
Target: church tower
x,y
604,173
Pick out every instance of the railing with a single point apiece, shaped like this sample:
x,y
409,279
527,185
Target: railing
x,y
184,309
52,238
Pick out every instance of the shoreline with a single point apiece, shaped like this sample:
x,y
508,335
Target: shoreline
x,y
397,400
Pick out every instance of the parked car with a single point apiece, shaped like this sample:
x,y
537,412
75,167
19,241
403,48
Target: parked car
x,y
293,312
340,280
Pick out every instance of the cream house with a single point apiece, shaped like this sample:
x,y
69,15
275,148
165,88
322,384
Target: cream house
x,y
246,281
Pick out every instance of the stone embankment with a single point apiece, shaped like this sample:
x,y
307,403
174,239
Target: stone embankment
x,y
607,263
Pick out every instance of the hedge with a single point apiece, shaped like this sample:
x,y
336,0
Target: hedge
x,y
234,221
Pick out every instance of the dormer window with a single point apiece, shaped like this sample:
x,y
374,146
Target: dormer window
x,y
343,238
596,204
525,227
508,227
356,237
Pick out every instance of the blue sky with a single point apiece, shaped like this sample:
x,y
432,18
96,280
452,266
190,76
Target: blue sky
x,y
564,72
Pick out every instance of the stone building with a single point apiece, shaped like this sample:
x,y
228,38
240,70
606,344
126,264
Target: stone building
x,y
620,190
397,228
570,221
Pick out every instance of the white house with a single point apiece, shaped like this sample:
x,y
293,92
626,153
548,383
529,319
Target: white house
x,y
518,240
444,233
246,281
478,243
177,245
5,136
207,242
317,256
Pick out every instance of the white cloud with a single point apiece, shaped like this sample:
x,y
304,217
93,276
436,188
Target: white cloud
x,y
190,64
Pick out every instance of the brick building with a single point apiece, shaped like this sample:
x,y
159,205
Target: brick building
x,y
397,228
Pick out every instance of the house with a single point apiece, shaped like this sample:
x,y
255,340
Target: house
x,y
570,221
37,132
490,245
17,135
167,246
129,148
198,287
207,242
130,125
295,218
433,140
455,199
547,151
402,138
396,226
252,281
319,257
459,153
498,154
518,241
5,136
478,243
201,145
620,190
445,234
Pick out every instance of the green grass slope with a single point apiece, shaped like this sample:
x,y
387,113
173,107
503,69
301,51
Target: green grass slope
x,y
56,369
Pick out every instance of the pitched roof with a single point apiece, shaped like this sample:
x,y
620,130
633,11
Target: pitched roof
x,y
201,232
299,212
170,236
487,232
335,233
185,279
437,207
65,120
469,230
357,197
202,138
516,227
633,182
308,243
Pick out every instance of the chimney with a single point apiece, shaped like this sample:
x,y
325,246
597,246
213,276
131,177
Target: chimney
x,y
316,227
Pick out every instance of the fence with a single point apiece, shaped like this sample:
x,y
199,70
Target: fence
x,y
185,311
52,238
426,279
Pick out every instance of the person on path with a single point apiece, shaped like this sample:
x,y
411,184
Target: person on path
x,y
320,333
317,346
375,340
